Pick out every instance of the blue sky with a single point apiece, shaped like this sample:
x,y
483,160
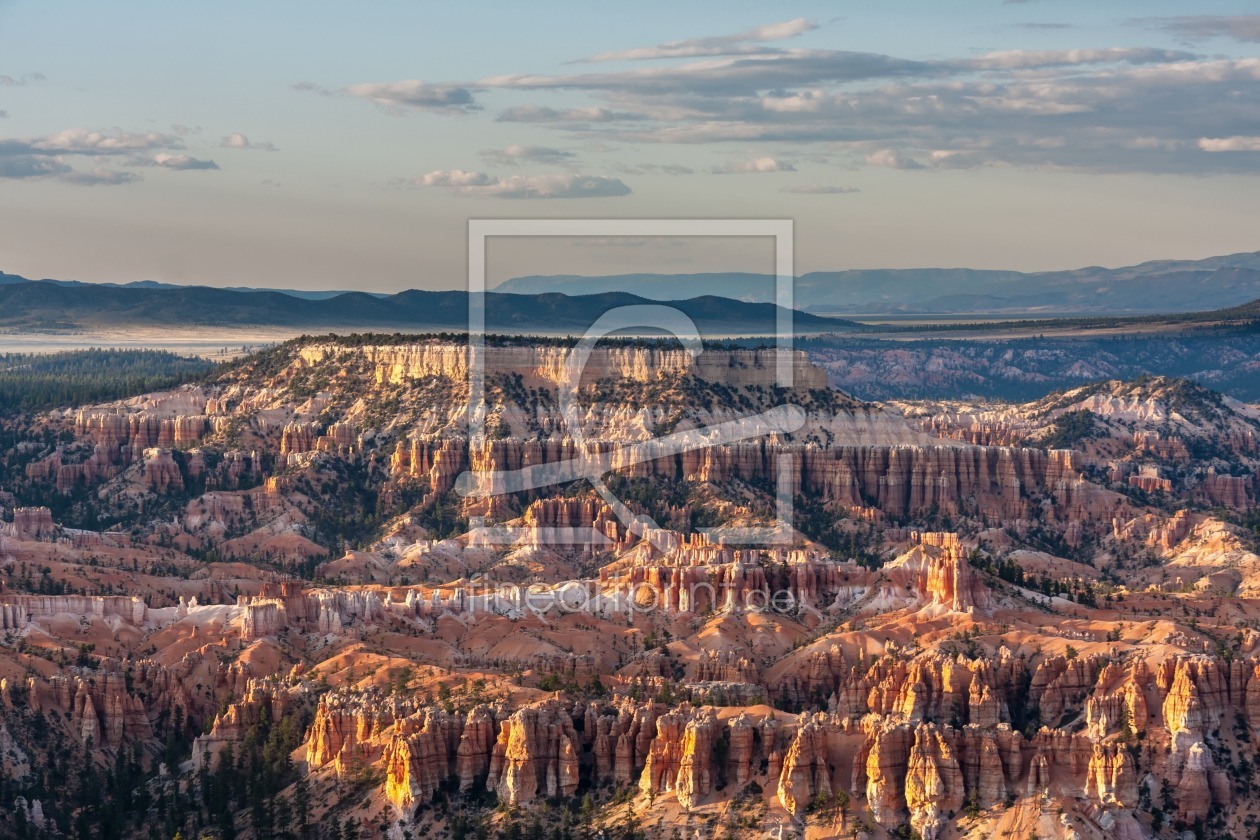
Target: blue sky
x,y
328,145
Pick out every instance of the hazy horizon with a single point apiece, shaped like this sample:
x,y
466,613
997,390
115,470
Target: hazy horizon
x,y
497,281
290,146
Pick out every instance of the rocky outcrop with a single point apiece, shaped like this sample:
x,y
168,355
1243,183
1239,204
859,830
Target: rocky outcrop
x,y
476,745
535,755
550,365
741,740
161,472
130,610
884,760
1111,778
941,576
696,773
296,438
263,618
120,435
101,708
31,523
934,782
420,756
1232,491
805,773
1194,791
261,699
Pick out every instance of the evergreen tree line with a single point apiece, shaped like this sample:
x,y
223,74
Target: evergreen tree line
x,y
38,382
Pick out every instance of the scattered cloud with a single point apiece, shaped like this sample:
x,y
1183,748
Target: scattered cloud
x,y
761,164
82,141
1230,144
1038,25
22,167
653,169
99,176
182,162
313,88
892,159
748,42
185,130
1119,109
240,141
1082,109
455,178
541,114
736,76
33,167
531,154
50,156
17,81
417,95
820,189
1245,28
480,184
1034,59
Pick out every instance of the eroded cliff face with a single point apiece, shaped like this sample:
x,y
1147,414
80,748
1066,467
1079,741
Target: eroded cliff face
x,y
1140,434
904,760
259,454
969,631
554,365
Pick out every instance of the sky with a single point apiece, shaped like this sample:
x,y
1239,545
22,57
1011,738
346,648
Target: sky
x,y
345,146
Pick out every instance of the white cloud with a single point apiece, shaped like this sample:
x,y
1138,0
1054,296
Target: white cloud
x,y
560,186
85,142
240,141
1026,59
99,176
542,114
455,178
524,186
729,76
741,43
1244,28
416,94
182,162
46,157
761,164
1230,144
892,159
533,154
1070,108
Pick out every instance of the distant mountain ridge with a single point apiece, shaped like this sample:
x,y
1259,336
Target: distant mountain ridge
x,y
45,306
307,294
1157,286
1152,287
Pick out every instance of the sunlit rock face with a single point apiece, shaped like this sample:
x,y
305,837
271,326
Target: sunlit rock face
x,y
976,625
